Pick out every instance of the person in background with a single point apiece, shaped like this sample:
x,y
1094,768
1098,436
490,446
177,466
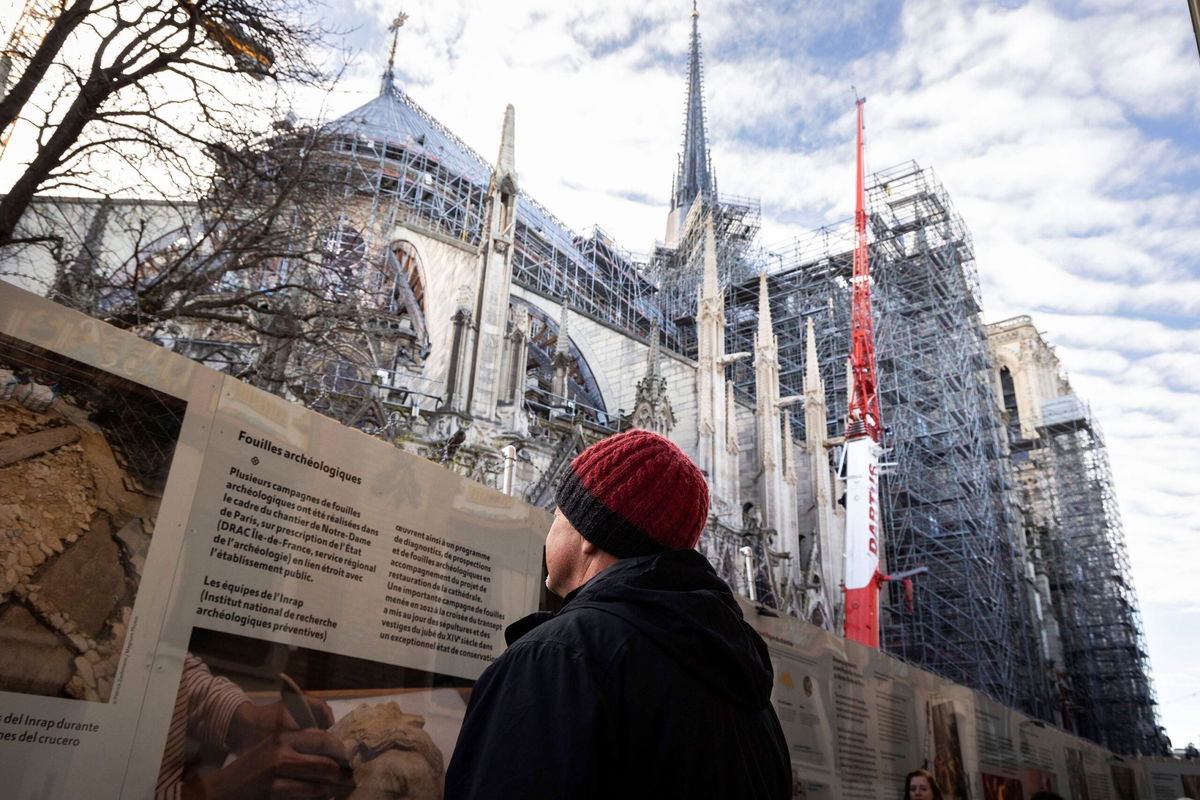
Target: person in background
x,y
920,785
648,682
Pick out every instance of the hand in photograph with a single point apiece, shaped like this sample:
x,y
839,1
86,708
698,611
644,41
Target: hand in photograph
x,y
273,758
292,764
252,723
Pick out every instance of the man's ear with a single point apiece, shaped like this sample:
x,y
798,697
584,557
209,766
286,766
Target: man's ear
x,y
595,558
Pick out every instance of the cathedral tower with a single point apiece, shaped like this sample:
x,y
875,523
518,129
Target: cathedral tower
x,y
694,177
828,531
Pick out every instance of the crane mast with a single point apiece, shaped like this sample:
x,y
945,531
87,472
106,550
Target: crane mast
x,y
863,428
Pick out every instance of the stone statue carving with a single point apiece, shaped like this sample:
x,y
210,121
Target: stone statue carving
x,y
391,754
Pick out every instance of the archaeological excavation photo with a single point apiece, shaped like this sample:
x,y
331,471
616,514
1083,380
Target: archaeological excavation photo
x,y
396,725
84,457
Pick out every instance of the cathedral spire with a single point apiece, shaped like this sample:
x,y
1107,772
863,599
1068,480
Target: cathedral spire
x,y
562,344
651,405
711,287
505,174
561,360
493,281
695,173
653,357
389,75
694,178
812,373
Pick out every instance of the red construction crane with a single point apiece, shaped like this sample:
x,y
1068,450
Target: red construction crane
x,y
863,427
863,418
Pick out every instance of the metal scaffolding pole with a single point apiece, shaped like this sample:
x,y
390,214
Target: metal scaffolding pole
x,y
1110,698
946,500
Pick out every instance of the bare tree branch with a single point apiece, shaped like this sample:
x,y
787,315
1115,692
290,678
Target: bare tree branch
x,y
219,232
155,65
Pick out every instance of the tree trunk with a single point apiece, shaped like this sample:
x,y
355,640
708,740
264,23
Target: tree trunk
x,y
97,89
43,57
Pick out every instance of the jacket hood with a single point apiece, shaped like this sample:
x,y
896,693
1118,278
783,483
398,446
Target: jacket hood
x,y
678,601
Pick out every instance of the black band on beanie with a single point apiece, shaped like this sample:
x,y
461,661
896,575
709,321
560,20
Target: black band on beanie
x,y
600,525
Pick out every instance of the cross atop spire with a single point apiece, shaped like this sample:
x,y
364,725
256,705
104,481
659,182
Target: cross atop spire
x,y
389,76
694,177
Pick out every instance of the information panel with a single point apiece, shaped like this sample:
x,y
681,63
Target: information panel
x,y
190,566
101,436
1171,780
803,696
875,719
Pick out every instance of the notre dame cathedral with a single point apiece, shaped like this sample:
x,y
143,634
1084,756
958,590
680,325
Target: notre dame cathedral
x,y
498,342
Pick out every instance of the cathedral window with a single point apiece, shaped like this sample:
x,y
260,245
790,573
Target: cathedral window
x,y
1008,391
583,392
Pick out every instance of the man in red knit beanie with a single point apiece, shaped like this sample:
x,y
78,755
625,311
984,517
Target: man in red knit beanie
x,y
648,682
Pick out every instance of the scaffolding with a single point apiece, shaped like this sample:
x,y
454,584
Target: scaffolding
x,y
678,272
1110,698
946,498
396,165
416,172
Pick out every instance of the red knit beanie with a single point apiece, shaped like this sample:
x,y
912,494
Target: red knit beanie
x,y
634,494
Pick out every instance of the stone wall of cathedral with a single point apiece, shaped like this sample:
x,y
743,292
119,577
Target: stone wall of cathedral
x,y
448,270
618,361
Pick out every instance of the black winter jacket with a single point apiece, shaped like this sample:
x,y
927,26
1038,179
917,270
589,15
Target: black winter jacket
x,y
648,683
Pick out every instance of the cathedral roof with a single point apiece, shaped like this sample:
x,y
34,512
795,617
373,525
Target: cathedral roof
x,y
394,118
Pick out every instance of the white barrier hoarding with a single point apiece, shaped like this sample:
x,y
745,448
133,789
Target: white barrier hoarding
x,y
1171,779
175,540
803,699
857,721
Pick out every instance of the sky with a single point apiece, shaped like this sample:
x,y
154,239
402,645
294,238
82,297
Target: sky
x,y
1066,133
